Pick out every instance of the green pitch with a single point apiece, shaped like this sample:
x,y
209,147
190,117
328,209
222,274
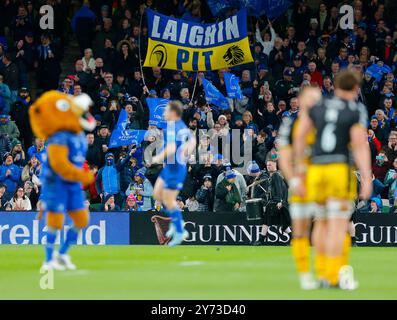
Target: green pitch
x,y
186,272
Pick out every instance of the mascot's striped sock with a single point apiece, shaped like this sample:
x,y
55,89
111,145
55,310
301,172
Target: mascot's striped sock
x,y
301,253
176,218
49,247
71,238
347,243
320,264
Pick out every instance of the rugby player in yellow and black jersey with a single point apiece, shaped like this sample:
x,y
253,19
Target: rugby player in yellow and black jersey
x,y
301,211
341,141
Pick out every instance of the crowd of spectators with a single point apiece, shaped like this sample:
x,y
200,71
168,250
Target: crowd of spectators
x,y
305,46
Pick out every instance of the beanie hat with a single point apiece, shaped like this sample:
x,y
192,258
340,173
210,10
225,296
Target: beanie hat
x,y
131,197
253,167
14,142
6,155
140,174
108,196
218,156
230,174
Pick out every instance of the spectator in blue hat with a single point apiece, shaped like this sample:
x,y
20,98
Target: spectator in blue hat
x,y
165,93
227,195
262,81
239,181
142,190
375,205
260,58
152,93
299,69
205,195
284,88
107,181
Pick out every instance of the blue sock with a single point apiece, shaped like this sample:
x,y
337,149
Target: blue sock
x,y
49,247
176,218
71,238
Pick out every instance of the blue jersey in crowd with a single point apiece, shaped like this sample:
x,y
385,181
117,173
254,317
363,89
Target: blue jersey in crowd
x,y
60,195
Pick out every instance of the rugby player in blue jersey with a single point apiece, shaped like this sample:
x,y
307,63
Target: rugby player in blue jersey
x,y
178,145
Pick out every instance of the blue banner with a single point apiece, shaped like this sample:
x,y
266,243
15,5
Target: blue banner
x,y
156,111
104,229
122,136
214,96
232,86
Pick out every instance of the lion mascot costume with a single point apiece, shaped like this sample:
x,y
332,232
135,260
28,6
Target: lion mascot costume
x,y
61,119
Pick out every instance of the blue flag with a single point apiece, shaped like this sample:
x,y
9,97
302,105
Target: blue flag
x,y
271,8
156,111
213,95
232,86
217,7
122,136
275,8
377,71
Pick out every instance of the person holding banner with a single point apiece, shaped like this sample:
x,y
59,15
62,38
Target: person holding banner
x,y
178,144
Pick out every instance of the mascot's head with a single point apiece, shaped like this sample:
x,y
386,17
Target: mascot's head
x,y
55,111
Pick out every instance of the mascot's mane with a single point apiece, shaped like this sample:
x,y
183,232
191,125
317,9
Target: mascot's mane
x,y
234,55
51,113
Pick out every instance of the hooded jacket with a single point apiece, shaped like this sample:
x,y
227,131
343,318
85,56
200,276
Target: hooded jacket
x,y
108,179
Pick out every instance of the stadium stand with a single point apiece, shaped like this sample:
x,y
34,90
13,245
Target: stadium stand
x,y
98,49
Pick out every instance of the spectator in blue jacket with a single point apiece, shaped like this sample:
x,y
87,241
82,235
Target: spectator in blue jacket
x,y
142,190
108,178
10,174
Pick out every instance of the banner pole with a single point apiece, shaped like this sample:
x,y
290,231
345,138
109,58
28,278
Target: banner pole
x,y
139,51
194,88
